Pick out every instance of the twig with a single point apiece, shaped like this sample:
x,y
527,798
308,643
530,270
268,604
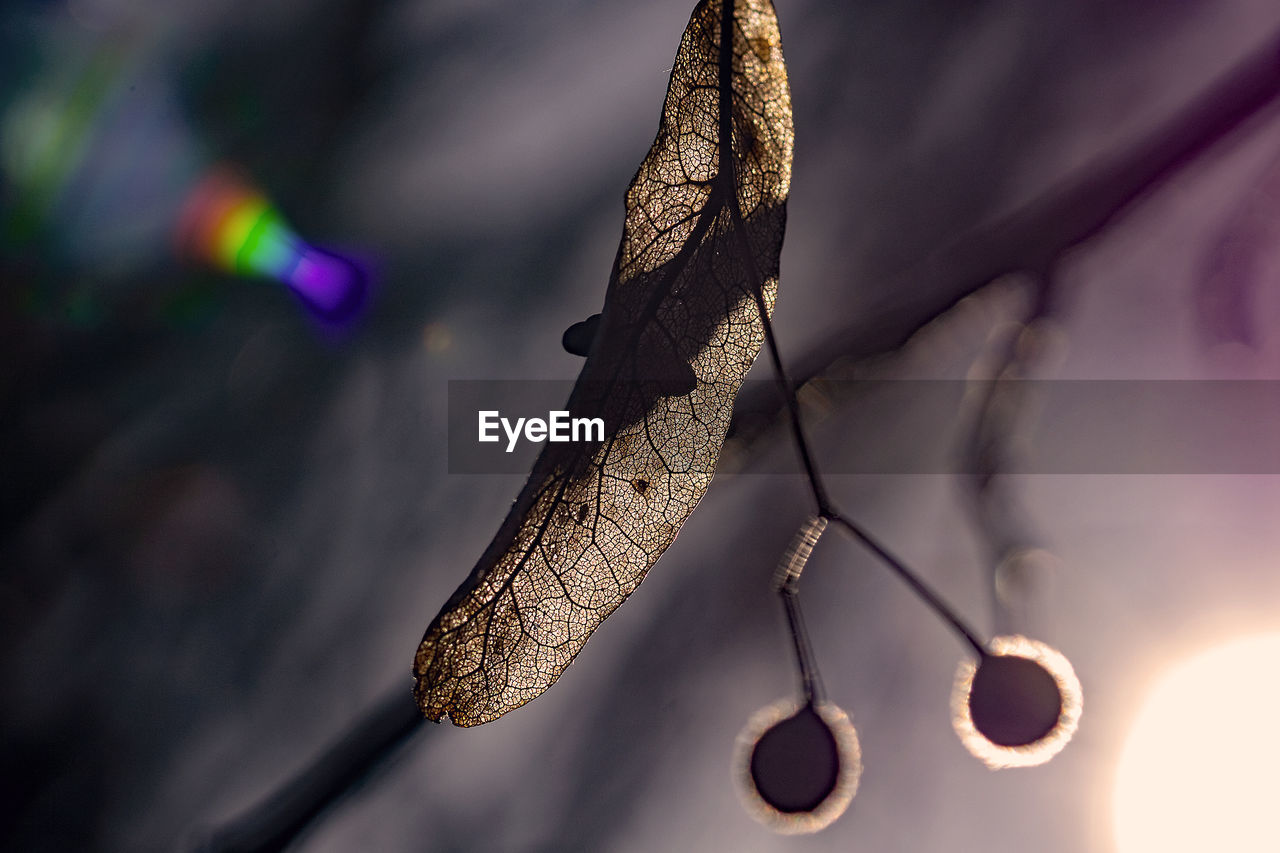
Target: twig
x,y
828,510
1035,237
787,584
922,591
277,821
1031,238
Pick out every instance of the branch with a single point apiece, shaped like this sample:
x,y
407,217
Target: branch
x,y
1032,238
277,821
1035,237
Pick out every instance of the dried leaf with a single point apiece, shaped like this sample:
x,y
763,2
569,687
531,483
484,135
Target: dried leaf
x,y
680,327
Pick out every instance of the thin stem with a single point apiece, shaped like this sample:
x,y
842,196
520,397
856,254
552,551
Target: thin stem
x,y
787,583
935,603
827,510
816,485
810,680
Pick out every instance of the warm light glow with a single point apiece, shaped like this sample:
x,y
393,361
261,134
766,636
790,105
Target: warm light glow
x,y
1201,768
999,757
850,769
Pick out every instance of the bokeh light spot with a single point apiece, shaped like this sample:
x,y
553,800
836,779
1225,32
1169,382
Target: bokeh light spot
x,y
797,766
436,337
1018,706
1200,769
1022,574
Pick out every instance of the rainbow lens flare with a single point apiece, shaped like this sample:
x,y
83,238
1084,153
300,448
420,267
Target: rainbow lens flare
x,y
231,225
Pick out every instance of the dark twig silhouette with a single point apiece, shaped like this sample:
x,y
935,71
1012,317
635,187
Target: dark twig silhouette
x,y
827,510
280,819
1035,237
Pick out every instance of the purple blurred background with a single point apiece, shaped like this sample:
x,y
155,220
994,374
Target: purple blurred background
x,y
223,534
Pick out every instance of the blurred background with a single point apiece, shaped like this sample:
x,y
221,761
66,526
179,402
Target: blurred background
x,y
225,526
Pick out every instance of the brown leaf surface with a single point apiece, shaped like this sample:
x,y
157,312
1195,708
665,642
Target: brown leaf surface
x,y
680,327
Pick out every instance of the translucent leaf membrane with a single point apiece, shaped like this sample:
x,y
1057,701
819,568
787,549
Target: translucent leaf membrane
x,y
681,325
1017,706
797,765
